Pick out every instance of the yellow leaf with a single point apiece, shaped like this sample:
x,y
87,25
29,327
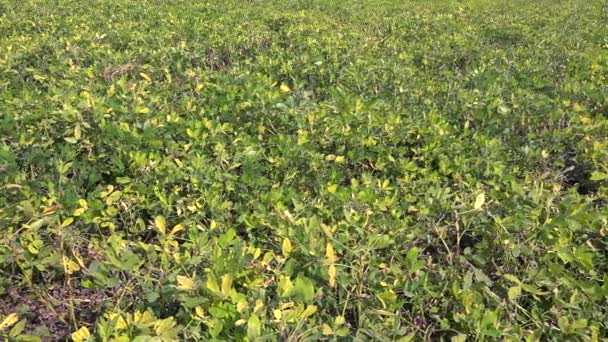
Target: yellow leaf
x,y
117,320
286,248
329,253
479,201
164,326
332,188
70,266
142,110
242,306
79,211
145,76
331,271
185,283
177,228
81,334
327,330
9,321
277,314
544,154
284,88
331,260
68,221
199,312
227,284
161,224
144,317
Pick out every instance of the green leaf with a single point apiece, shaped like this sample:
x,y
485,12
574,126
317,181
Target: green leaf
x,y
407,338
387,297
584,256
18,328
411,261
303,289
227,238
579,324
598,176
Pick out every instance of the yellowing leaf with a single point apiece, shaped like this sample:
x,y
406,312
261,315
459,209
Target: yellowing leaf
x,y
81,334
284,88
254,327
514,292
310,310
77,132
69,266
286,247
479,200
161,224
259,305
226,284
212,283
459,338
9,321
185,283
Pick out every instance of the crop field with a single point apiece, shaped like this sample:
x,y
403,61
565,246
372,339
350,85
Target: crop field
x,y
303,170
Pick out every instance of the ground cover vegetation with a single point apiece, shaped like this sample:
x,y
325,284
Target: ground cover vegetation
x,y
303,170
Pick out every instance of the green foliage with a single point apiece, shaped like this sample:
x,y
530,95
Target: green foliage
x,y
303,170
